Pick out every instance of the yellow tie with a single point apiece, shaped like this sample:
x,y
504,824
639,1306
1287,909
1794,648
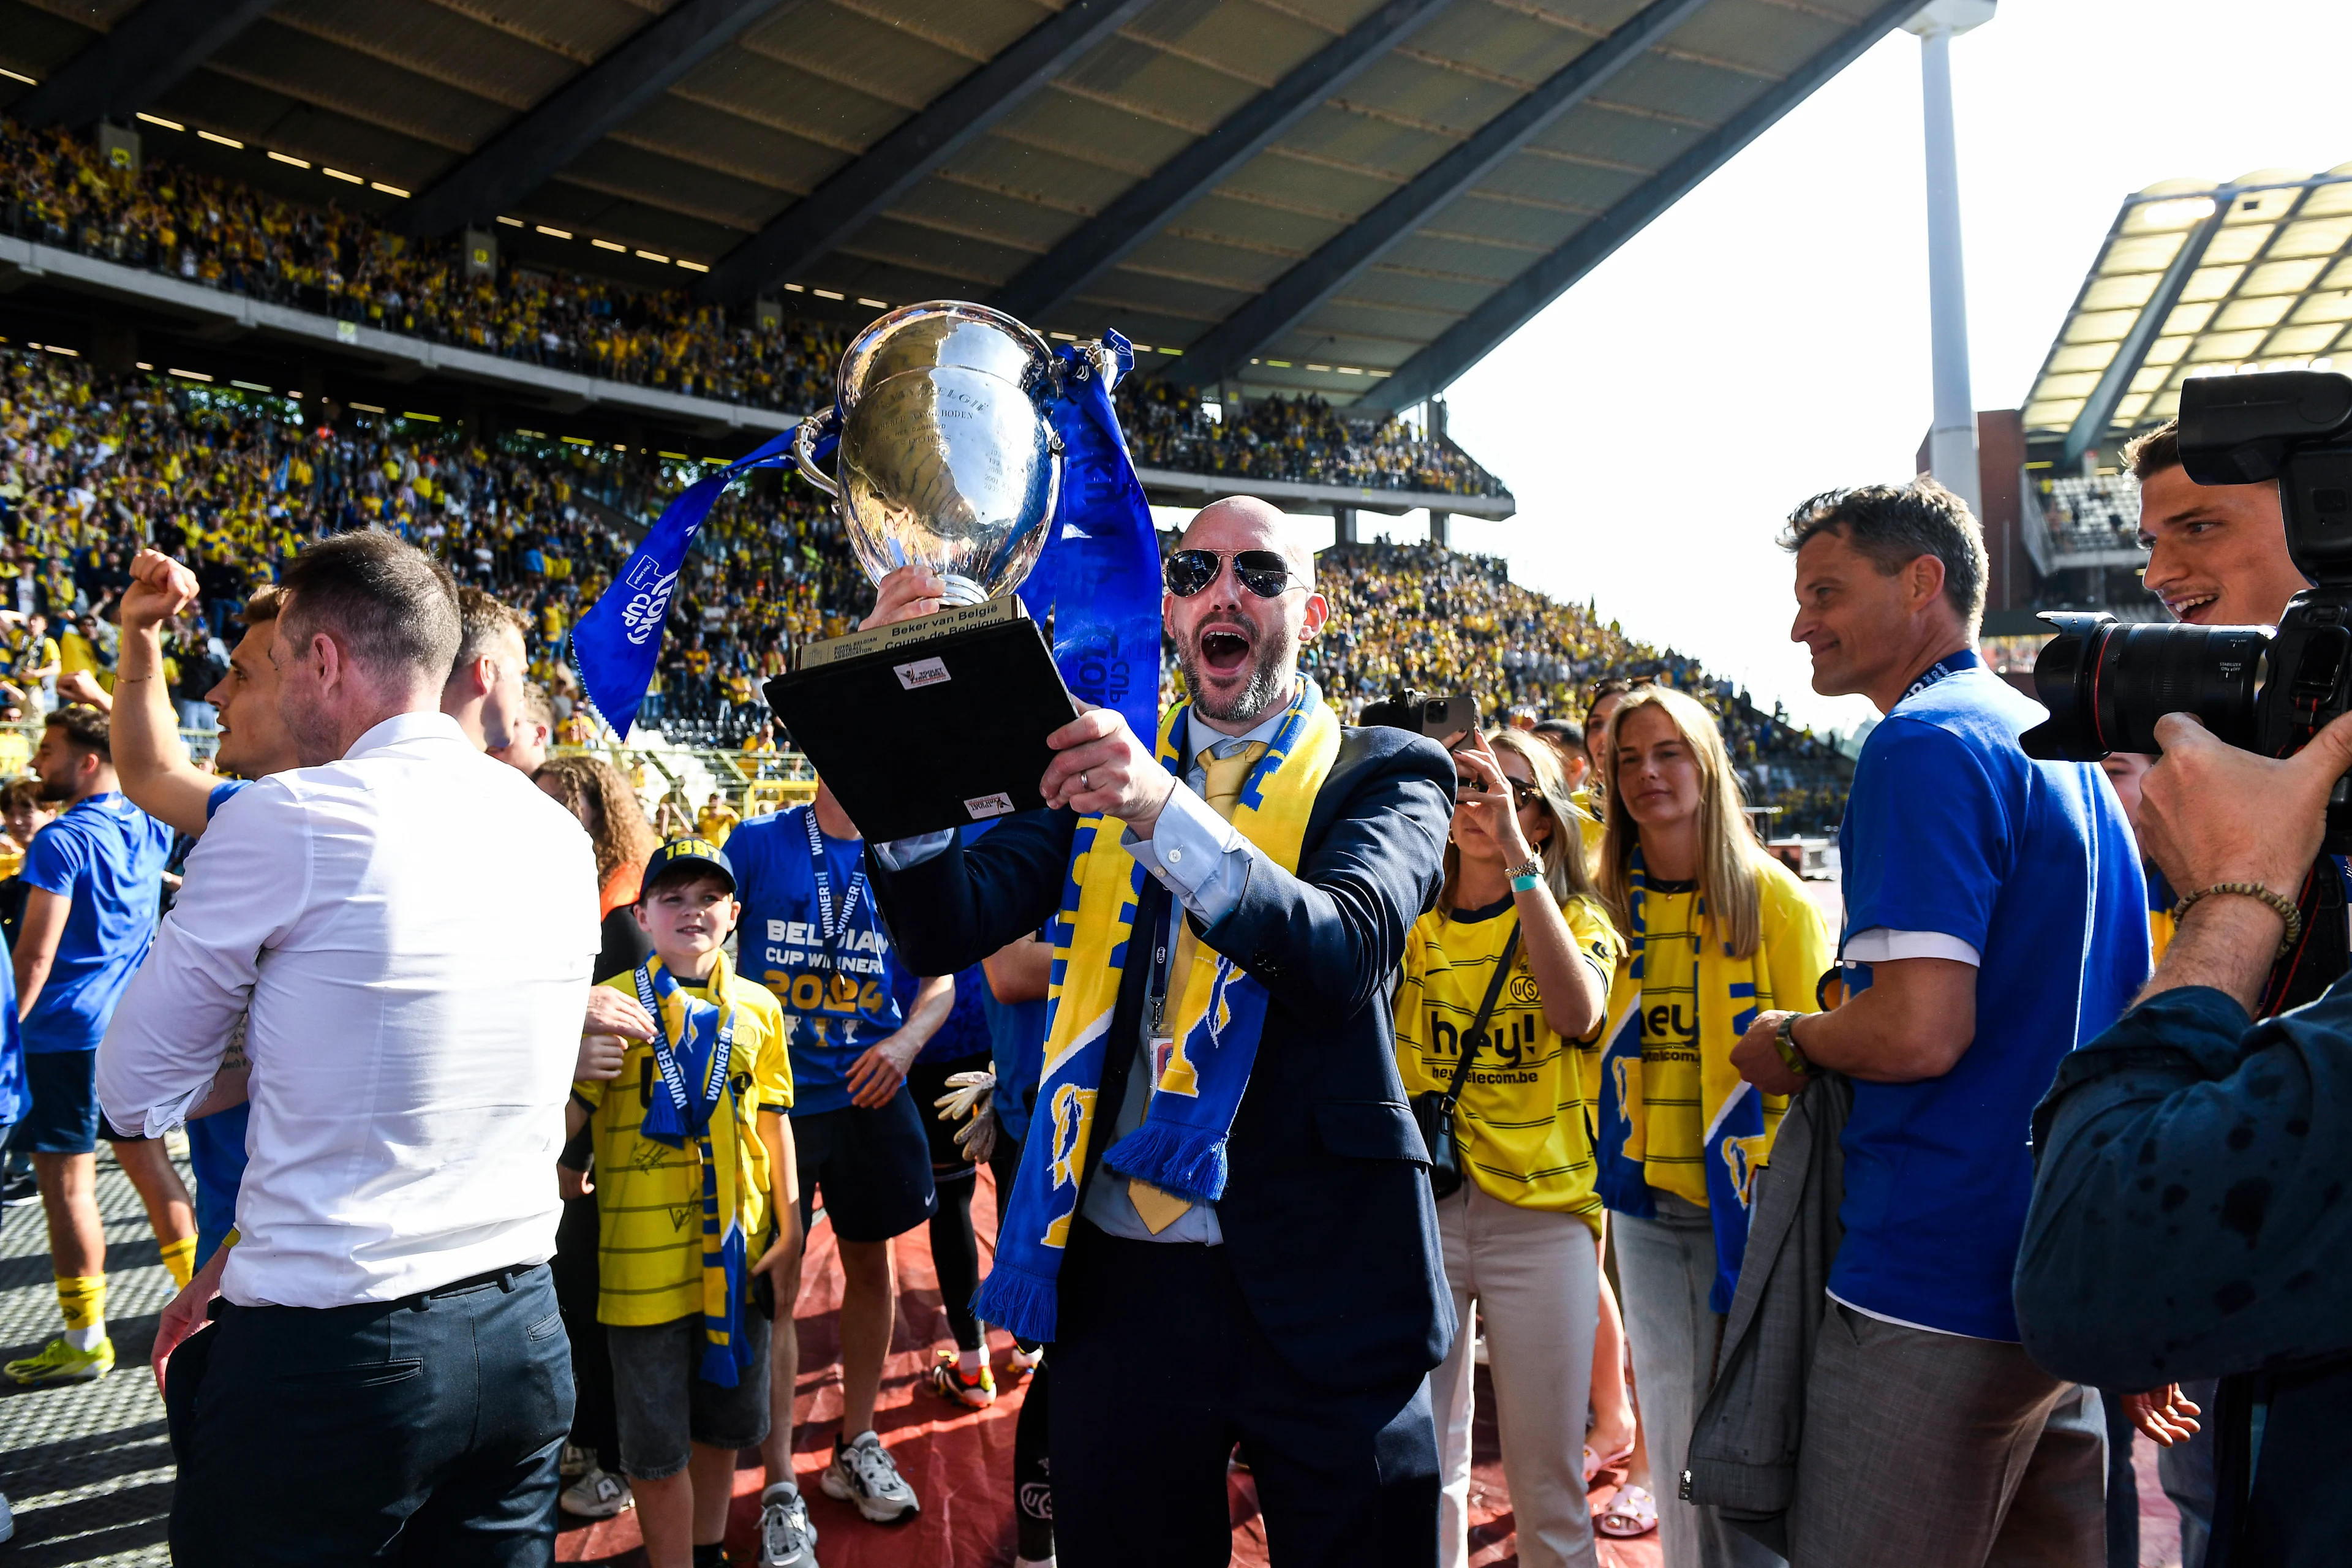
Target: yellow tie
x,y
1222,788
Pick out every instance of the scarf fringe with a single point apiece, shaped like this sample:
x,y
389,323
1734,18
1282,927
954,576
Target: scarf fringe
x,y
1021,1303
1189,1162
718,1364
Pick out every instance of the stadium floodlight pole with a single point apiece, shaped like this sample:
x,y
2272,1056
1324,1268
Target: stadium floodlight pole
x,y
1952,438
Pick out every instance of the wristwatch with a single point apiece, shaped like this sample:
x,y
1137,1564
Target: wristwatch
x,y
1784,1040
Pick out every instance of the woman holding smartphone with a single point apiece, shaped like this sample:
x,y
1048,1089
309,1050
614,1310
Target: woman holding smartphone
x,y
1521,1234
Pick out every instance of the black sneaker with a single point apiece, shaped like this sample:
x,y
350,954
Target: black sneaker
x,y
19,1190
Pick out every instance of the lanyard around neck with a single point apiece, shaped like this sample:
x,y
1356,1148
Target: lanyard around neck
x,y
1944,668
824,876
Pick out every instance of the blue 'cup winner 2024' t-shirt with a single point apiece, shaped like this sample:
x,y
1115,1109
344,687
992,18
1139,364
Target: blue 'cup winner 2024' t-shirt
x,y
811,934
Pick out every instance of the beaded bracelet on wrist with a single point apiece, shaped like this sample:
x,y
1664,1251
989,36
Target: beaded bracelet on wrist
x,y
2282,906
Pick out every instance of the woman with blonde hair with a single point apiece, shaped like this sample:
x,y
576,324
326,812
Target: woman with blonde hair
x,y
1716,932
1519,939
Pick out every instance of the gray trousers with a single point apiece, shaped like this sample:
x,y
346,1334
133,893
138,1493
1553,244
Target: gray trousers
x,y
1940,1451
1668,1266
1536,1278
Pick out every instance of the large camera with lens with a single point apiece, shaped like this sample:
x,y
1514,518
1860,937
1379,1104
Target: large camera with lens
x,y
2260,689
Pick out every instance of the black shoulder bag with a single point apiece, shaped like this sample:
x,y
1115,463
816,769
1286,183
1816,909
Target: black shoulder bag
x,y
1433,1110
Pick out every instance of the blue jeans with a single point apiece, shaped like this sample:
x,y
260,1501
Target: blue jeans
x,y
425,1430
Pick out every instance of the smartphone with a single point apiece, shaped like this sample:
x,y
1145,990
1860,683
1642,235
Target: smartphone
x,y
1443,719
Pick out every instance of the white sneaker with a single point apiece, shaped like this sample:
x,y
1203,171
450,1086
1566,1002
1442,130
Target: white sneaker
x,y
576,1462
787,1539
862,1472
599,1494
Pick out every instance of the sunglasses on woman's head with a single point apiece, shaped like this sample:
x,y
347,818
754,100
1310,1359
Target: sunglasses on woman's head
x,y
1262,572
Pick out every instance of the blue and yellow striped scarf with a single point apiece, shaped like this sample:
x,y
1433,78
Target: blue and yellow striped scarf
x,y
1181,1146
1730,995
693,1058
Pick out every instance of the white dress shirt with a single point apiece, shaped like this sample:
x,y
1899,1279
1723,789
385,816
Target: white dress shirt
x,y
412,929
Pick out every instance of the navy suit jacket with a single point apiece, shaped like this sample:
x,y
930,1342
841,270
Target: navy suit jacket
x,y
1327,1215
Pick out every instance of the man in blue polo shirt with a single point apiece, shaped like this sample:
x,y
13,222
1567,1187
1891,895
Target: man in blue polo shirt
x,y
811,934
96,874
1995,918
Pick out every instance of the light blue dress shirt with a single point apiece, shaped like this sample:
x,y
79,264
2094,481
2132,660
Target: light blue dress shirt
x,y
1205,861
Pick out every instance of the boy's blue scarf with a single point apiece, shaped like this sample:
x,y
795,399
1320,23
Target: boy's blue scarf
x,y
1727,998
692,1070
1217,1017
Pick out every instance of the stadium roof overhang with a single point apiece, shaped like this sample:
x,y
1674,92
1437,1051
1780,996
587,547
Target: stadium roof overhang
x,y
1359,198
2198,279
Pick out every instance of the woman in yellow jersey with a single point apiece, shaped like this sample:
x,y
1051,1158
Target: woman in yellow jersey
x,y
1715,931
1520,1235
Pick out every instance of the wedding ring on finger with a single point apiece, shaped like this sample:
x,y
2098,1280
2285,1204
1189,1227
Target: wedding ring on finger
x,y
1083,783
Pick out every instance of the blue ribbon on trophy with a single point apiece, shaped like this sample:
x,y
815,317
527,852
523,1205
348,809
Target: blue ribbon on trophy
x,y
1075,537
1098,583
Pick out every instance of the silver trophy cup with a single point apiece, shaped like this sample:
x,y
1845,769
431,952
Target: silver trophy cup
x,y
947,458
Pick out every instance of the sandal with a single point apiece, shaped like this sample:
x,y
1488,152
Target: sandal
x,y
1631,1512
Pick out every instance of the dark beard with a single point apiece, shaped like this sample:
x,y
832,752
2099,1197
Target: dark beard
x,y
1271,657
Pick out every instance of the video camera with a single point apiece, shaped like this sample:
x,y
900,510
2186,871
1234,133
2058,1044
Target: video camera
x,y
2257,688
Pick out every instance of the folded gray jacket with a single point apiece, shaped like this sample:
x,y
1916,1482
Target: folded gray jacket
x,y
1743,1446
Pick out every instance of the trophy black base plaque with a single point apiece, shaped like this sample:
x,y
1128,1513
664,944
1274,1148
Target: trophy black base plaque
x,y
931,723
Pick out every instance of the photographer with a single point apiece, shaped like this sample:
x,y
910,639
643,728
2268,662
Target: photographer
x,y
2189,1133
2217,556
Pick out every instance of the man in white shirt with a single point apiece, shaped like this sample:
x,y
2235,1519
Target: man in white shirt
x,y
410,926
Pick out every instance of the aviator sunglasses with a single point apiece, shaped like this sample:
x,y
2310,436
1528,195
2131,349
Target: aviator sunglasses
x,y
1523,793
1262,572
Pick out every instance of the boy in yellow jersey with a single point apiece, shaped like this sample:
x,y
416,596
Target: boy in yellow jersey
x,y
694,1172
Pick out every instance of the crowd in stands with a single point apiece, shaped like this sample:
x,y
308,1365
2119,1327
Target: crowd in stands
x,y
2094,512
93,464
1302,438
236,483
1433,619
55,188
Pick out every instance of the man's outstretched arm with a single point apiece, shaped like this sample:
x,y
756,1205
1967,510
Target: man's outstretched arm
x,y
149,759
2188,1212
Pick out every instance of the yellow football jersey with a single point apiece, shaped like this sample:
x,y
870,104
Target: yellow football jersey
x,y
1523,1135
